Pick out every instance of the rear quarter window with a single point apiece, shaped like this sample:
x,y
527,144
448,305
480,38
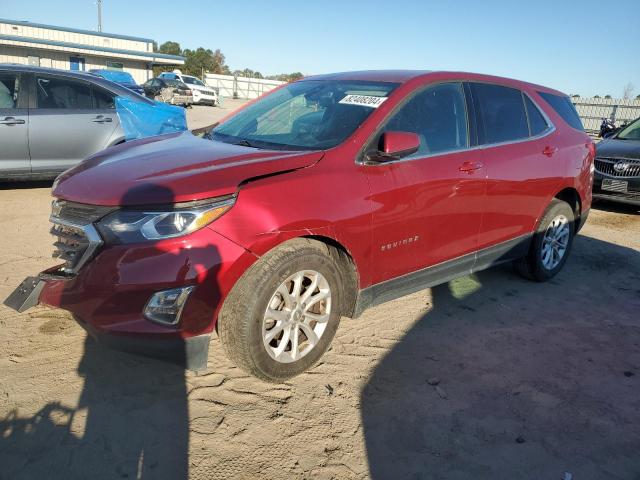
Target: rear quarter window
x,y
563,107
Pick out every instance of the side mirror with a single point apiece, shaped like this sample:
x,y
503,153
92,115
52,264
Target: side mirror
x,y
394,146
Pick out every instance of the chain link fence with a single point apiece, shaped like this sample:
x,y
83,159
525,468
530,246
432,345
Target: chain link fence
x,y
593,110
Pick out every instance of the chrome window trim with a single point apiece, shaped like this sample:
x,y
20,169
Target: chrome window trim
x,y
550,128
95,241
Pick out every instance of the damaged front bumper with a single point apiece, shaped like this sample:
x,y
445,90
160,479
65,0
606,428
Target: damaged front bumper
x,y
109,294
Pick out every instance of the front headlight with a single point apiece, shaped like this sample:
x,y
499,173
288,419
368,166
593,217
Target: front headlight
x,y
130,225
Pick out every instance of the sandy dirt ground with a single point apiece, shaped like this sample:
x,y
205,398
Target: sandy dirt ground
x,y
488,376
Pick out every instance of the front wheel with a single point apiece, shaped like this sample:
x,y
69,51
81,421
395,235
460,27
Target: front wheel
x,y
551,243
282,314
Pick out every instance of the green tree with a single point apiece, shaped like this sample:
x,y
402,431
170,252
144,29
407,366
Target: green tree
x,y
170,48
200,61
219,65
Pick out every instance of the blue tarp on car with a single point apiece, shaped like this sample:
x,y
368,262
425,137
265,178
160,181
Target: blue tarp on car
x,y
141,119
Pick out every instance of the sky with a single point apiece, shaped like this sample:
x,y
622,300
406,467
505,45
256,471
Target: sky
x,y
584,47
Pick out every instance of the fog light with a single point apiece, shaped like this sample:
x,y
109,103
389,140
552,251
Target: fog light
x,y
166,307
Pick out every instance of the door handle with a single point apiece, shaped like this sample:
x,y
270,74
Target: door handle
x,y
470,167
102,119
549,151
12,121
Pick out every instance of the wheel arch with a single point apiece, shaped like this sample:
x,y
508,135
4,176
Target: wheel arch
x,y
348,268
571,196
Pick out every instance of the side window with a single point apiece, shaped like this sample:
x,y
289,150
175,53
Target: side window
x,y
9,90
438,116
53,92
501,114
537,123
563,107
103,99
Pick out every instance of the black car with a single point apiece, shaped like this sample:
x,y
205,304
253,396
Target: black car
x,y
617,175
174,92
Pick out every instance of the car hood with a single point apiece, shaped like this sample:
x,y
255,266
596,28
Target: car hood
x,y
612,147
201,88
172,168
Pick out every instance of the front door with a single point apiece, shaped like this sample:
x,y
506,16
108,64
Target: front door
x,y
66,126
428,206
14,124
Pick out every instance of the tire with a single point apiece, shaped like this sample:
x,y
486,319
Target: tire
x,y
244,324
533,266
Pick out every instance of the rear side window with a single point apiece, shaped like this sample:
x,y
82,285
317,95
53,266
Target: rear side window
x,y
103,99
563,107
537,123
63,93
501,113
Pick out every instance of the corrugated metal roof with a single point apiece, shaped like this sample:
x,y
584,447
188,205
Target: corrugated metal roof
x,y
25,23
139,53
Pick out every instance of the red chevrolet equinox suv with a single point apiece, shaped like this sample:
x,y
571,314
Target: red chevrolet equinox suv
x,y
318,200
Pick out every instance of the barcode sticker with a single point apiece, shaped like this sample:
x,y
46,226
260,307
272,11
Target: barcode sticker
x,y
363,100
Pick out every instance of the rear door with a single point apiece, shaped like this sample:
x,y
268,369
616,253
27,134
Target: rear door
x,y
65,126
522,169
428,205
14,124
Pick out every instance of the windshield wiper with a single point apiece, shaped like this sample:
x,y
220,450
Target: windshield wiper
x,y
245,143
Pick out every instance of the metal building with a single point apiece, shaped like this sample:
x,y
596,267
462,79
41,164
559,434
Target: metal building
x,y
74,49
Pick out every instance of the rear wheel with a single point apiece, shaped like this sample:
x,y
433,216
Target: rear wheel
x,y
551,243
282,314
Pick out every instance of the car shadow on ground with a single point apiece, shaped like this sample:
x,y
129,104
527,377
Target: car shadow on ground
x,y
132,417
615,207
505,378
26,184
131,422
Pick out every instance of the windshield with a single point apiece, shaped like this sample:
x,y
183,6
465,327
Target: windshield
x,y
117,76
631,132
173,83
192,81
306,115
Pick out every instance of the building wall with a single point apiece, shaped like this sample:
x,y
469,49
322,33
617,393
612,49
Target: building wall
x,y
25,30
141,71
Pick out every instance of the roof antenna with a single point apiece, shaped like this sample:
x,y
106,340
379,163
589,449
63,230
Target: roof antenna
x,y
99,3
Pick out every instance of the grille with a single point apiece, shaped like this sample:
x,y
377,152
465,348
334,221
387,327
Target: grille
x,y
78,213
70,246
618,167
76,237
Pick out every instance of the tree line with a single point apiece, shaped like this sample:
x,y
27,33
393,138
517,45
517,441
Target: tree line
x,y
204,60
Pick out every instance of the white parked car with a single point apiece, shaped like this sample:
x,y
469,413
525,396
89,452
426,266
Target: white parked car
x,y
202,93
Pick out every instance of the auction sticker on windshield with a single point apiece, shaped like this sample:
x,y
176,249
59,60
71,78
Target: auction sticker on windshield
x,y
363,100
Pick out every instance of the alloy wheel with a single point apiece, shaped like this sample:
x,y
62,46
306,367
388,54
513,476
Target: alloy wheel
x,y
555,242
296,316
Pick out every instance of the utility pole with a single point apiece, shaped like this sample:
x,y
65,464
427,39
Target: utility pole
x,y
99,3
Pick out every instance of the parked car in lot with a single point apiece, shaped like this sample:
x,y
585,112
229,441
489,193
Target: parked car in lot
x,y
325,197
617,165
121,78
52,119
202,93
173,92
